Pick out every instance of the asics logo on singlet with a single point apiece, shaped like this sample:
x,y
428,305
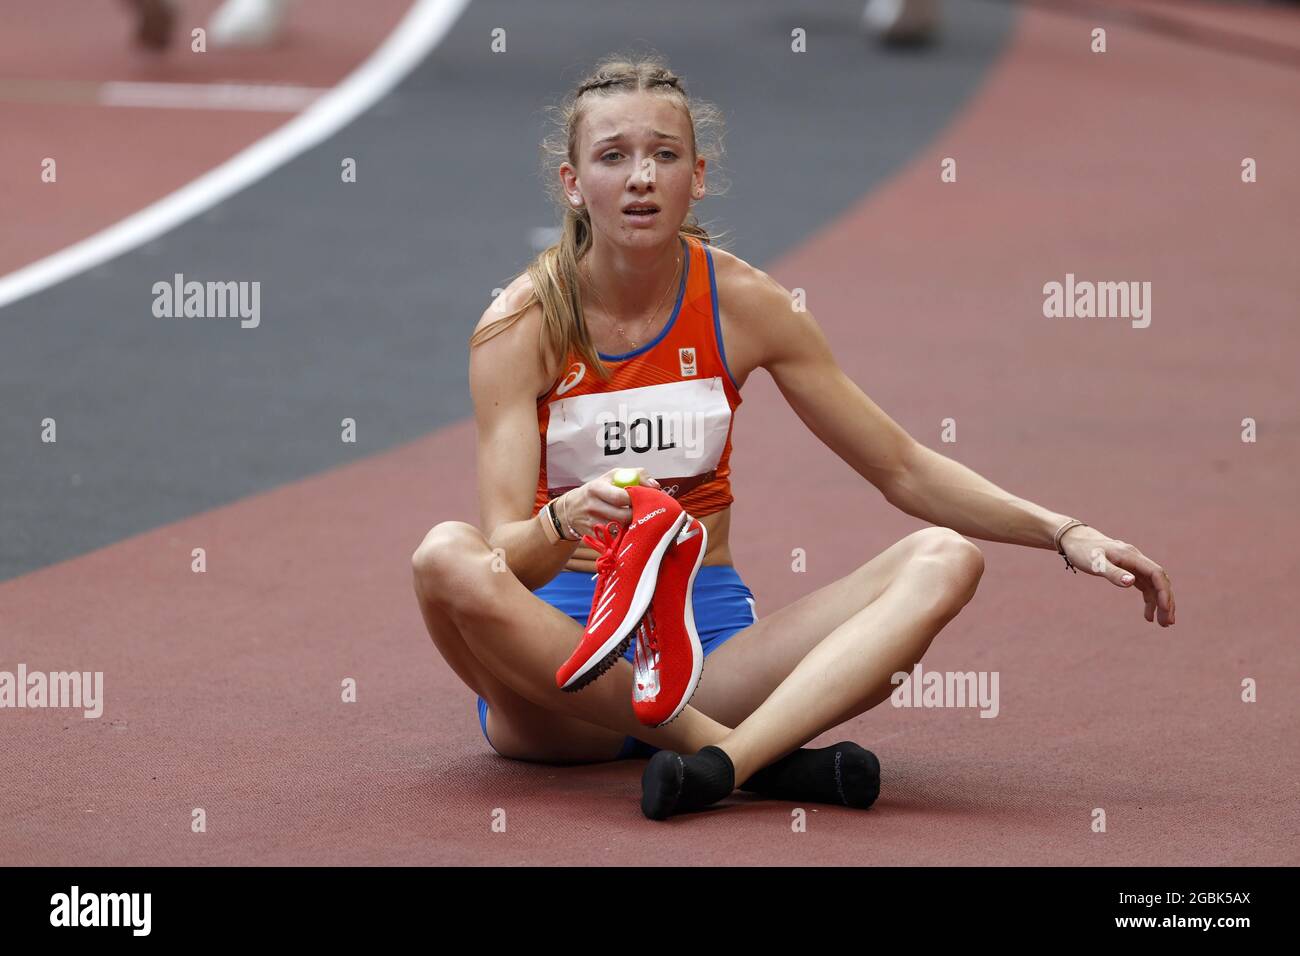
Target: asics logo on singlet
x,y
576,371
644,518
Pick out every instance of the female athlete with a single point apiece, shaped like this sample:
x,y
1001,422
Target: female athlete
x,y
627,344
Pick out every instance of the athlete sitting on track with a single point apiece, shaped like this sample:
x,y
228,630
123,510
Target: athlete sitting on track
x,y
633,307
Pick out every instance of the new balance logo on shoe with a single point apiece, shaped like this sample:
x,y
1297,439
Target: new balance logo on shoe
x,y
687,535
646,517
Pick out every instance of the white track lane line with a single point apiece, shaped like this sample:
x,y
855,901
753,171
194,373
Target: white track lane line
x,y
423,27
258,97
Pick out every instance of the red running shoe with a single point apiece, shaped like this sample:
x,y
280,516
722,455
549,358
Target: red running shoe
x,y
669,658
627,570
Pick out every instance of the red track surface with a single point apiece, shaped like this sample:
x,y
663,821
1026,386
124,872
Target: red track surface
x,y
223,689
55,53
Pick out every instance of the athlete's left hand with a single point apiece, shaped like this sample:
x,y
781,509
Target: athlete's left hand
x,y
1124,566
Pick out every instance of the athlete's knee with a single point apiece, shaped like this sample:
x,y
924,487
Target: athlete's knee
x,y
959,561
439,562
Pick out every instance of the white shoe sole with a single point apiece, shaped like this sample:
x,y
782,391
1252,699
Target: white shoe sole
x,y
697,649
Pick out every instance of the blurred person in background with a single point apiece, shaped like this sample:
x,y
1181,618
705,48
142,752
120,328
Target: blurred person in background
x,y
901,22
236,23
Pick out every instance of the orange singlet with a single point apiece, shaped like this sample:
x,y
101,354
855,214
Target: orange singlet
x,y
668,406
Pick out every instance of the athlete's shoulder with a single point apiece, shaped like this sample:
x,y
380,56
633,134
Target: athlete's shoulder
x,y
748,292
514,352
770,323
510,300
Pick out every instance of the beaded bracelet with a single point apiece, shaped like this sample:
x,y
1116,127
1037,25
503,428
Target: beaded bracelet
x,y
552,525
569,524
1060,533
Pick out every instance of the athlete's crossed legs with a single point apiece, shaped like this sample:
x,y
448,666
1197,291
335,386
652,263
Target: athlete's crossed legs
x,y
771,688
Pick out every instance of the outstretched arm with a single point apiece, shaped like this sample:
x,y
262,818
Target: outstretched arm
x,y
916,479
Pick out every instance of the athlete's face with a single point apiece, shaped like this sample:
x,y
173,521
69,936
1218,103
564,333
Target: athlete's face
x,y
634,148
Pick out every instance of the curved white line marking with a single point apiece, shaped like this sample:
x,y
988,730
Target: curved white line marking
x,y
423,27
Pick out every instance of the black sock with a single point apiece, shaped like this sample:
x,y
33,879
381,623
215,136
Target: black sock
x,y
842,773
673,783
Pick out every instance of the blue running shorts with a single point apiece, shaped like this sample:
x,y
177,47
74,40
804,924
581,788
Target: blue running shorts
x,y
722,603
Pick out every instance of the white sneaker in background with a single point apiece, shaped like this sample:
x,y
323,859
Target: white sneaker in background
x,y
247,23
901,22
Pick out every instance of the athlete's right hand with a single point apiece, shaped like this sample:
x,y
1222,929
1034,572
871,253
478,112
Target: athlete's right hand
x,y
600,501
